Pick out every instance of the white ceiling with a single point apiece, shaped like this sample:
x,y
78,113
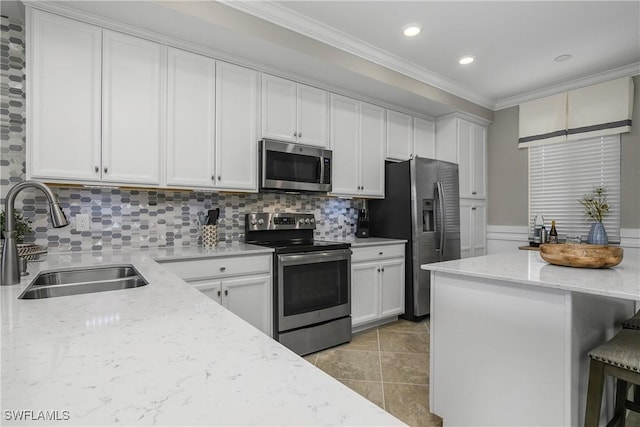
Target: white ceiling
x,y
514,42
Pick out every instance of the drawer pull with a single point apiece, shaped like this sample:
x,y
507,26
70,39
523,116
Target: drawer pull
x,y
380,253
223,268
226,292
219,293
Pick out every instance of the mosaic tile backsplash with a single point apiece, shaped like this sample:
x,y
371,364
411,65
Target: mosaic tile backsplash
x,y
130,218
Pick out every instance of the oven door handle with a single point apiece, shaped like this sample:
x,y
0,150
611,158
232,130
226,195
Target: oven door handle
x,y
315,257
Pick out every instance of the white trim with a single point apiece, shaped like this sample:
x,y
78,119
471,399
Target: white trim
x,y
630,237
625,71
301,24
466,116
513,233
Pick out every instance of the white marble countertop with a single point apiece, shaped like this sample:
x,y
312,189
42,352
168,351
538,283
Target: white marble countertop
x,y
527,267
161,354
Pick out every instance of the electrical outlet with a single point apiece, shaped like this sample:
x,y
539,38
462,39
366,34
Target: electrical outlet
x,y
83,222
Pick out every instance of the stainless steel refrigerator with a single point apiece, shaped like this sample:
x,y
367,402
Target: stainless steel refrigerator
x,y
421,205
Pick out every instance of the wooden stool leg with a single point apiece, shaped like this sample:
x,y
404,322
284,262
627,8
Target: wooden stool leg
x,y
594,394
620,411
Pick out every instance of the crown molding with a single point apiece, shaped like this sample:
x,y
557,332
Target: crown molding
x,y
301,24
627,70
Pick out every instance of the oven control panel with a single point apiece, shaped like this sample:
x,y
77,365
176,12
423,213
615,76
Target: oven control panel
x,y
279,221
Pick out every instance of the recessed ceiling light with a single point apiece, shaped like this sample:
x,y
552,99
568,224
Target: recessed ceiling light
x,y
412,30
563,58
466,60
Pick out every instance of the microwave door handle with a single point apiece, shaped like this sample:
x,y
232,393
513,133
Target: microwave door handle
x,y
320,168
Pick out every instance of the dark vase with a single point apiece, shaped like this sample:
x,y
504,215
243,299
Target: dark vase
x,y
597,234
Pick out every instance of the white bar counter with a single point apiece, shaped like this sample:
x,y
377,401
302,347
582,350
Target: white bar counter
x,y
510,336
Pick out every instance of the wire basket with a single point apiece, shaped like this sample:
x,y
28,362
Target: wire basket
x,y
30,251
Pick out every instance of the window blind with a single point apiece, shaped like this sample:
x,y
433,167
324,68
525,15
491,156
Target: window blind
x,y
561,174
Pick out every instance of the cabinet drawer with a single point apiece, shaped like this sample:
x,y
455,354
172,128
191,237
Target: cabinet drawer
x,y
377,252
220,267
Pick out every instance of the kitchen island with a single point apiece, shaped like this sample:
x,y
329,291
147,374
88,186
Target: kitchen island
x,y
161,354
510,336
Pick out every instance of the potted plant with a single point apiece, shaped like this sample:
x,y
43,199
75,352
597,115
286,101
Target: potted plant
x,y
22,225
595,207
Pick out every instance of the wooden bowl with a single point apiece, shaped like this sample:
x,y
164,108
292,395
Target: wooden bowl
x,y
584,256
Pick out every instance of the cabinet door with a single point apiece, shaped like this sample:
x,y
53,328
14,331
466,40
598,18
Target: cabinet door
x,y
190,119
313,116
236,131
278,108
466,228
344,143
392,287
424,138
63,98
132,109
465,156
399,136
250,298
365,292
372,142
478,211
211,288
479,161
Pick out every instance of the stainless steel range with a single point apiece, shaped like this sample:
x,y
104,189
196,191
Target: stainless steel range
x,y
312,281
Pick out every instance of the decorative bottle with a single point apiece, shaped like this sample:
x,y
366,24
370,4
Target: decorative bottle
x,y
553,233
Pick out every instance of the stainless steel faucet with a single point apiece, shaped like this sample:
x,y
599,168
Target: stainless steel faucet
x,y
10,268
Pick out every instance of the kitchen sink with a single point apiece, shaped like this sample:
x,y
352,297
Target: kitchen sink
x,y
60,283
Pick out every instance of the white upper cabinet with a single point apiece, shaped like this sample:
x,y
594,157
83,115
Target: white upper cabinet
x,y
190,119
372,142
132,93
294,112
424,138
236,166
345,144
313,116
357,141
63,101
463,142
399,136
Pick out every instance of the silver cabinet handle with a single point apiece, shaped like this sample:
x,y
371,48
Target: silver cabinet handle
x,y
106,170
473,208
226,292
97,169
473,192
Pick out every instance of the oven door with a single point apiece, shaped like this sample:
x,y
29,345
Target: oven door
x,y
313,287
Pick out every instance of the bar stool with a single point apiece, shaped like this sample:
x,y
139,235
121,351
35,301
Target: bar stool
x,y
620,358
633,322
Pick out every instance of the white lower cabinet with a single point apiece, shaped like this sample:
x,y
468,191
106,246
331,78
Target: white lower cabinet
x,y
377,284
473,238
242,284
243,296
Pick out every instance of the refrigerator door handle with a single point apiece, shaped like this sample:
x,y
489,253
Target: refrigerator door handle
x,y
443,229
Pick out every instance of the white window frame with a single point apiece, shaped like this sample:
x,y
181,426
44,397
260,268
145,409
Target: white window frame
x,y
561,174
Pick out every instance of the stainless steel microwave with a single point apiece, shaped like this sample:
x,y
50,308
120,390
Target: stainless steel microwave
x,y
294,167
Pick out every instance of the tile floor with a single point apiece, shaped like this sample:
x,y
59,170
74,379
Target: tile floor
x,y
388,365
